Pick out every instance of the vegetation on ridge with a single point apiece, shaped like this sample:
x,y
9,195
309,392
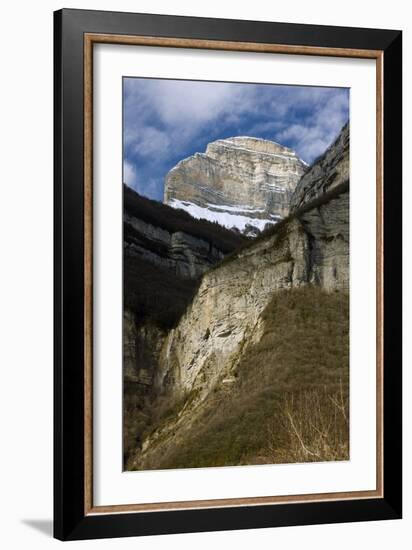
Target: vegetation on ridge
x,y
283,398
154,294
280,227
289,401
173,220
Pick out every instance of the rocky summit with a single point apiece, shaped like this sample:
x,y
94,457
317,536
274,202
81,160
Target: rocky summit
x,y
243,183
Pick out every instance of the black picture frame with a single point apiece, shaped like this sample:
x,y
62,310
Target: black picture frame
x,y
70,520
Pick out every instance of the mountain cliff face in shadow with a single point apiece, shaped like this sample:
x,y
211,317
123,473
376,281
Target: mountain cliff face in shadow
x,y
236,350
165,253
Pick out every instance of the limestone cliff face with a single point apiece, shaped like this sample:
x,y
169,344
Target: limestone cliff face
x,y
165,253
311,246
237,182
161,264
178,252
172,240
328,172
225,317
142,345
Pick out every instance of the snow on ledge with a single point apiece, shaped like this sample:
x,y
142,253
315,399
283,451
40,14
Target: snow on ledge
x,y
225,218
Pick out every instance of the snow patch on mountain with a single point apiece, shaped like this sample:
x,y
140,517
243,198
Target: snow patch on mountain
x,y
228,216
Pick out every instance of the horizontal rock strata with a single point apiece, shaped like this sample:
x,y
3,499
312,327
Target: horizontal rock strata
x,y
237,182
328,172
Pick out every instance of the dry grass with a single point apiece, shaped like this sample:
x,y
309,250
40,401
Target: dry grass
x,y
294,383
280,228
314,427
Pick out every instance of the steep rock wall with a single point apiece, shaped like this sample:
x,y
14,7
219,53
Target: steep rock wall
x,y
312,248
327,173
179,252
237,182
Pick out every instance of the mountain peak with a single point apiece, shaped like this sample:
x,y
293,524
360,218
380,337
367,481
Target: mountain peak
x,y
240,182
253,144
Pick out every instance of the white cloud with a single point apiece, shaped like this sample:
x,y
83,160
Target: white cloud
x,y
178,102
149,187
129,174
150,140
271,126
319,131
182,110
194,102
309,141
165,118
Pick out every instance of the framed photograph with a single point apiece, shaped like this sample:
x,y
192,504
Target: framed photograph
x,y
227,274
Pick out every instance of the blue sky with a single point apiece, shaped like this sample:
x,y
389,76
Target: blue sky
x,y
168,120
